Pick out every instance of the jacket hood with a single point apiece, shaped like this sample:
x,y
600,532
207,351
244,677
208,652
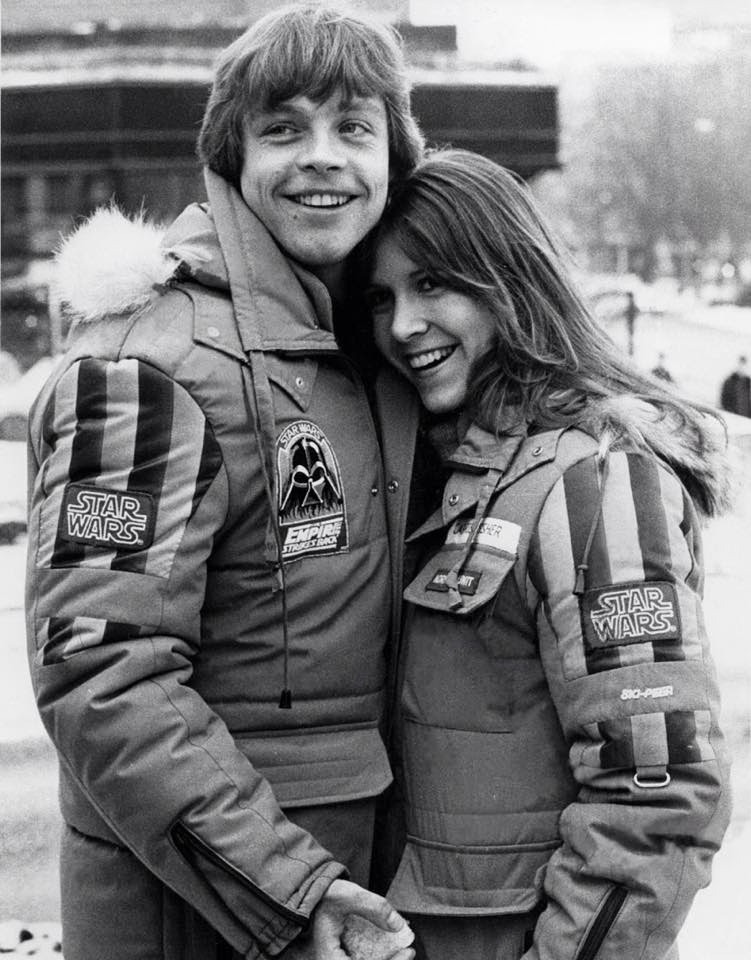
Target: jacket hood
x,y
694,446
113,264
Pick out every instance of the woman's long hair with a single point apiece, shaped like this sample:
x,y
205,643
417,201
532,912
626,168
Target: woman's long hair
x,y
475,227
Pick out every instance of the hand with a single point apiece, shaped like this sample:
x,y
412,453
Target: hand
x,y
342,899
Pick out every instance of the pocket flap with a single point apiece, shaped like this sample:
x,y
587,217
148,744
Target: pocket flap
x,y
479,580
296,376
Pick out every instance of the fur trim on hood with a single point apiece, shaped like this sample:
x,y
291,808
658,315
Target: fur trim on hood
x,y
696,448
113,263
110,264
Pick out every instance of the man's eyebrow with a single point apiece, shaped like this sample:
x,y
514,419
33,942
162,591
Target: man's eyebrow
x,y
282,106
367,103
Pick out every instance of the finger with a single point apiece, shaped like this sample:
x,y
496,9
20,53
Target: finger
x,y
378,911
327,938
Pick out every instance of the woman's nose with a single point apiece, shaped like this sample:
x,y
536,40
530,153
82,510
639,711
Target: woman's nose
x,y
407,321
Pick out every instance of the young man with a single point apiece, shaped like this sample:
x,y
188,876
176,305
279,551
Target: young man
x,y
208,569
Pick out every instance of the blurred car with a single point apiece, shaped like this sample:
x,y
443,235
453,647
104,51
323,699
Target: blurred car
x,y
743,299
16,398
12,520
15,401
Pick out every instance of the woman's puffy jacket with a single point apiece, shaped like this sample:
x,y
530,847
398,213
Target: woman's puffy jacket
x,y
557,703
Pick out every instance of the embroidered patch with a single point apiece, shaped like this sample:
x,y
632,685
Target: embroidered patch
x,y
468,582
312,513
100,517
494,534
630,613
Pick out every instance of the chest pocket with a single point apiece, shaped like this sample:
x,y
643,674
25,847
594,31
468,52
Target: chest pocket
x,y
479,579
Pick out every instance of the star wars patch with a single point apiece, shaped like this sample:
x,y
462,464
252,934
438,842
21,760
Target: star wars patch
x,y
99,517
630,613
312,514
468,582
494,534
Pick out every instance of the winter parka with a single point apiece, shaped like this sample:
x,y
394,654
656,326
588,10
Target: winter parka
x,y
556,703
202,425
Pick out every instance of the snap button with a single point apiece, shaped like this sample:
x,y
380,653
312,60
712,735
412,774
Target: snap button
x,y
453,499
213,332
537,451
374,491
299,382
393,486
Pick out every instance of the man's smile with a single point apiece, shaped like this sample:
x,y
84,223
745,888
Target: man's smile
x,y
320,199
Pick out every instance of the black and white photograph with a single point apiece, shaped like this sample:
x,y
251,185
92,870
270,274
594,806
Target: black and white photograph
x,y
375,480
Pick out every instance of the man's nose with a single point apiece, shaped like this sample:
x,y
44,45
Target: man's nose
x,y
407,321
321,150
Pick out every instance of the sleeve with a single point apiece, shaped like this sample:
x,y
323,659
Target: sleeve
x,y
628,666
128,494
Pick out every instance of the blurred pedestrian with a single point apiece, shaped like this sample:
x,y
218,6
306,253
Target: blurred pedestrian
x,y
735,394
565,780
661,371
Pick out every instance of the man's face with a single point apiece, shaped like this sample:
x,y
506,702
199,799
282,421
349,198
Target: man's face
x,y
316,175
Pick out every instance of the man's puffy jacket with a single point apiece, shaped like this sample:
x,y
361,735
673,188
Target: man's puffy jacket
x,y
202,424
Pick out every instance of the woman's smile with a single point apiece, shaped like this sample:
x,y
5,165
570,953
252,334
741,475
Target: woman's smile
x,y
432,333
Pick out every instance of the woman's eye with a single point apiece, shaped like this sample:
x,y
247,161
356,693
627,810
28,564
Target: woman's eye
x,y
377,300
426,284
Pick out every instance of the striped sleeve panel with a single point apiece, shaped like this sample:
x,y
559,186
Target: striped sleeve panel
x,y
646,739
640,603
61,637
131,455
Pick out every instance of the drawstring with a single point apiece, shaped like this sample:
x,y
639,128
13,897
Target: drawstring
x,y
583,566
258,375
452,577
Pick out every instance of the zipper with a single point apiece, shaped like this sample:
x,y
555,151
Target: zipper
x,y
185,838
602,923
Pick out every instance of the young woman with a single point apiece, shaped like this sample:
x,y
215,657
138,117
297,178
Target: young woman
x,y
564,778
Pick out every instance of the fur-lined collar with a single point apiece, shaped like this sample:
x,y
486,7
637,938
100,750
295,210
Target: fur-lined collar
x,y
696,450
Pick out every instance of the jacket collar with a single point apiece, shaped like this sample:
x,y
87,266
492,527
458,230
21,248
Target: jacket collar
x,y
484,459
277,305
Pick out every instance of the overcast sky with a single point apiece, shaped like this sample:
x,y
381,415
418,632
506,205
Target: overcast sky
x,y
546,32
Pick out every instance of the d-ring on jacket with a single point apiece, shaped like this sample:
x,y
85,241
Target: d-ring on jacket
x,y
201,381
557,704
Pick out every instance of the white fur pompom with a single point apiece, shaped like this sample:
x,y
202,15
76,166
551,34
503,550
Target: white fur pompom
x,y
111,264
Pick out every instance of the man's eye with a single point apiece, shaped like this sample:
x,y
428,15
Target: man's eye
x,y
279,129
354,126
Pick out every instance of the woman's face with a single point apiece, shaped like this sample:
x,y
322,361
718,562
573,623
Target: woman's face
x,y
429,332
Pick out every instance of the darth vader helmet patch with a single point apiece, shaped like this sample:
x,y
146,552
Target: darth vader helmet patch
x,y
312,514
